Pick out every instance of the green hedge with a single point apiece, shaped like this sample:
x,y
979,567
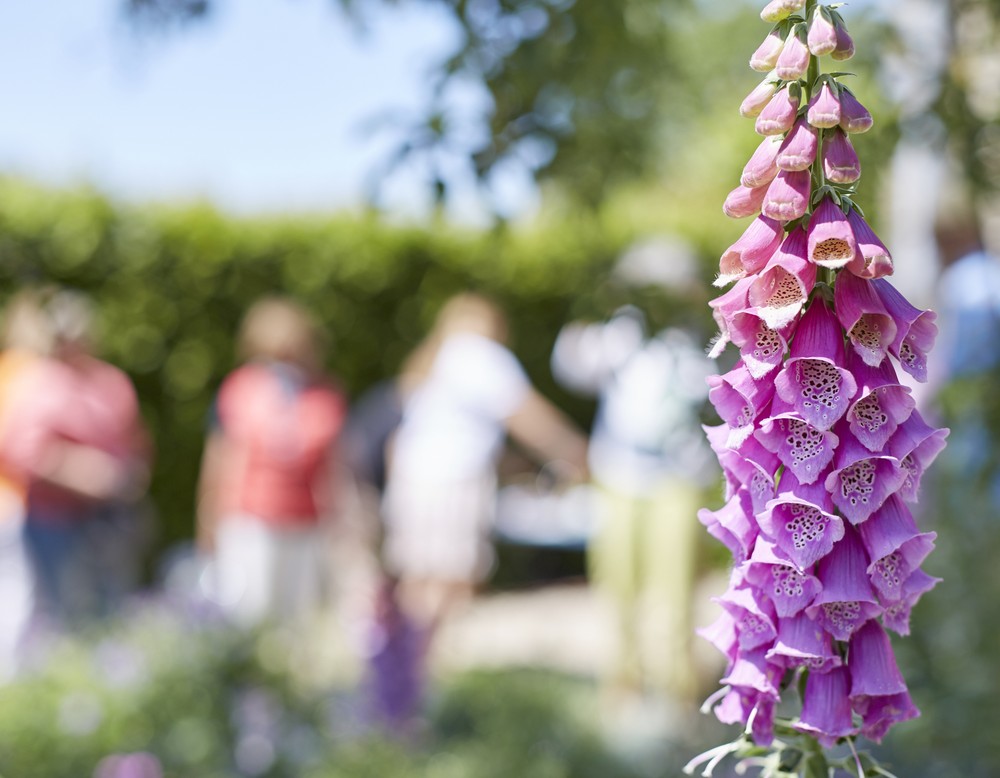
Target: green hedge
x,y
172,284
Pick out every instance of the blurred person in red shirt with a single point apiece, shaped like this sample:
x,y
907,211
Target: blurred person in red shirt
x,y
269,470
73,437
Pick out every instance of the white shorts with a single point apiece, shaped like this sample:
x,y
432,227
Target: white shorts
x,y
266,572
439,530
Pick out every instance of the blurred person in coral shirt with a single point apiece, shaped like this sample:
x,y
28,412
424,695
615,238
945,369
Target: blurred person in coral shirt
x,y
73,436
269,470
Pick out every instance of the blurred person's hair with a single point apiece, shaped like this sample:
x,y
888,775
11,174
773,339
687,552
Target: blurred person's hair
x,y
466,312
25,325
280,329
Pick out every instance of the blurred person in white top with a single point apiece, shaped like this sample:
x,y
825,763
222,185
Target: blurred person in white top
x,y
464,392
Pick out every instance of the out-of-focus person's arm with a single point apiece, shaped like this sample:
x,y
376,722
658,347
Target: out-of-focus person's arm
x,y
550,435
210,485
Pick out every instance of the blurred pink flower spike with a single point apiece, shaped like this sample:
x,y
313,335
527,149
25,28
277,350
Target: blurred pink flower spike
x,y
826,707
824,109
870,329
798,150
831,240
781,289
840,160
765,57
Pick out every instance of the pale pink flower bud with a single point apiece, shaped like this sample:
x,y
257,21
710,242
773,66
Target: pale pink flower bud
x,y
798,151
777,10
761,95
787,196
761,169
845,46
793,61
872,259
831,240
854,117
822,38
766,56
743,201
778,116
824,108
840,160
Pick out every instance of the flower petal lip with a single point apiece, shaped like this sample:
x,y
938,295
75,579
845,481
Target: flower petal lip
x,y
881,405
831,240
779,291
840,160
916,330
824,108
798,150
871,330
826,707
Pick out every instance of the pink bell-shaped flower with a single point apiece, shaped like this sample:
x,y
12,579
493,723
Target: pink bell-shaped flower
x,y
872,259
778,115
840,160
826,707
761,169
822,38
854,117
787,196
765,57
793,61
744,201
758,98
845,45
831,239
798,150
824,108
778,10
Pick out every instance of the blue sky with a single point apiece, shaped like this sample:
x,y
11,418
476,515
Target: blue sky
x,y
264,108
